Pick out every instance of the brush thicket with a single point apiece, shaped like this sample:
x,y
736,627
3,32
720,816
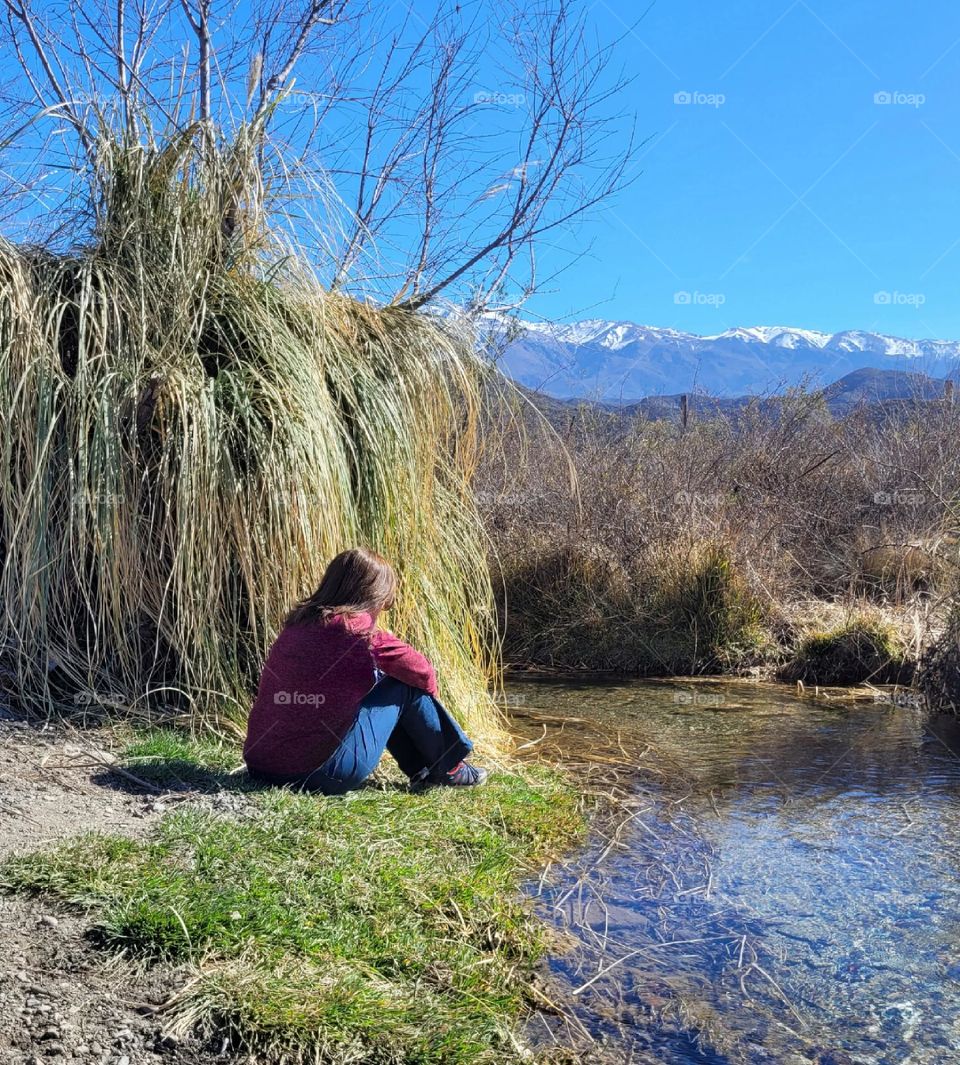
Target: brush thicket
x,y
698,547
192,427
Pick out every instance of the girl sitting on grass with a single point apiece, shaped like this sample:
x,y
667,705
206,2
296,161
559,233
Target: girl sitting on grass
x,y
336,691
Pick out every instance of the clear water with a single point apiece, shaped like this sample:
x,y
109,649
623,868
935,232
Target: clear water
x,y
787,886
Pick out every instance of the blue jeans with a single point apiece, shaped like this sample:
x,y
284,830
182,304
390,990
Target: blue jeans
x,y
413,726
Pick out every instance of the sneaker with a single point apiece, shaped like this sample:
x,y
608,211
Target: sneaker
x,y
463,775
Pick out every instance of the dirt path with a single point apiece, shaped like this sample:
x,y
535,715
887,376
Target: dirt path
x,y
61,1000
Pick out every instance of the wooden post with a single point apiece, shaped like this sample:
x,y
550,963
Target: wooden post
x,y
948,391
684,410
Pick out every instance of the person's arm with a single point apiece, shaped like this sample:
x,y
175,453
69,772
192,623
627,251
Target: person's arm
x,y
399,660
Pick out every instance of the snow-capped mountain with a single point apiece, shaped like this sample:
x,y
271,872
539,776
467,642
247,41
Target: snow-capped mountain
x,y
621,362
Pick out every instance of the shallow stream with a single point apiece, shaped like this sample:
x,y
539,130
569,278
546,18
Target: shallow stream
x,y
779,881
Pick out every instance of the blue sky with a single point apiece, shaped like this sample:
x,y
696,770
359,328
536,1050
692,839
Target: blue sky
x,y
802,166
788,192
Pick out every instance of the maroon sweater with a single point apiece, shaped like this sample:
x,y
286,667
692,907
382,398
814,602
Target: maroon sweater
x,y
310,690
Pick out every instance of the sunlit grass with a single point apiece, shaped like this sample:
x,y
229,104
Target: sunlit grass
x,y
382,927
862,649
575,606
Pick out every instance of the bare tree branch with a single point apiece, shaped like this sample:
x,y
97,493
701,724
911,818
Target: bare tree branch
x,y
19,10
318,13
418,180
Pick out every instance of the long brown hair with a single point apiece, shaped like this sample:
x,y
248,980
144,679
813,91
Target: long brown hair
x,y
358,581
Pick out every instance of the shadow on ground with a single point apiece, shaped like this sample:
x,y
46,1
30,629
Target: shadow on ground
x,y
174,776
178,776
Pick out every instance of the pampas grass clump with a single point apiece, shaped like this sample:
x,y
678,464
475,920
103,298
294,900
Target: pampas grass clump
x,y
191,426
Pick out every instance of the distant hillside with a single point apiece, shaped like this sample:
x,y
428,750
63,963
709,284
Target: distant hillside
x,y
623,363
870,386
885,392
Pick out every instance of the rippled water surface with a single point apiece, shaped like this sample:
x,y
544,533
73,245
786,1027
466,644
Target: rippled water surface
x,y
781,882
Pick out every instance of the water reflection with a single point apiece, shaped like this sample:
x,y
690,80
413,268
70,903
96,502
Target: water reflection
x,y
787,889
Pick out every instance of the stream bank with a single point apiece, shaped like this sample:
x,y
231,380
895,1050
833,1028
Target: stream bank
x,y
210,917
60,1001
771,879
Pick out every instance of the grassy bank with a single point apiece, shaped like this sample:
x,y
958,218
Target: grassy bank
x,y
385,927
778,539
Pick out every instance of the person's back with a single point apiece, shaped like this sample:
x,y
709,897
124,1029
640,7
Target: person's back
x,y
336,691
315,676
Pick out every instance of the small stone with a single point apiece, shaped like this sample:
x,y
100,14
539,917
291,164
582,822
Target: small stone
x,y
123,1060
123,1034
50,1033
33,1002
49,920
96,1048
81,1049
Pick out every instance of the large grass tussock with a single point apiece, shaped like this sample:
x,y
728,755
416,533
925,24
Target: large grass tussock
x,y
191,427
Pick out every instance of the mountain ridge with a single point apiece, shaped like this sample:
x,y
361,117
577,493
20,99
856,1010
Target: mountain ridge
x,y
624,362
881,394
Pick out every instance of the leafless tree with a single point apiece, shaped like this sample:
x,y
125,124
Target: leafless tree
x,y
416,155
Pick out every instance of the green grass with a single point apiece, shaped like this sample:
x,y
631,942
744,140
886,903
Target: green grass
x,y
172,758
862,649
383,927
